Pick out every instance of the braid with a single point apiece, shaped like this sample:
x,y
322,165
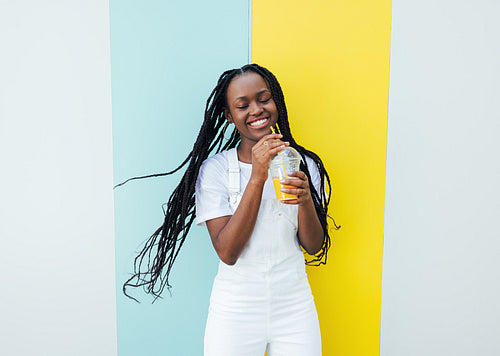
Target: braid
x,y
321,199
153,264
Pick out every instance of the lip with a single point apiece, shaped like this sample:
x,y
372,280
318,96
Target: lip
x,y
264,124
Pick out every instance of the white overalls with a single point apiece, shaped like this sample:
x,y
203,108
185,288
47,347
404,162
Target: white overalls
x,y
264,300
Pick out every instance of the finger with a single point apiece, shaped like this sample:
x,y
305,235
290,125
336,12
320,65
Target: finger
x,y
298,174
273,143
274,150
290,201
274,136
269,149
270,146
296,182
294,191
270,137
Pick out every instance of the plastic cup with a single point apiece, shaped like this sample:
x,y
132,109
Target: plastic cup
x,y
278,168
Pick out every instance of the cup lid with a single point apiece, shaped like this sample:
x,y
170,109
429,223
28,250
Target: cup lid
x,y
290,152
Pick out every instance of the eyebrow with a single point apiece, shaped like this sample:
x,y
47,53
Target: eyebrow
x,y
244,97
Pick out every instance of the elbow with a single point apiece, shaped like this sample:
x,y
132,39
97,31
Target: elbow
x,y
314,248
228,258
231,262
313,251
227,252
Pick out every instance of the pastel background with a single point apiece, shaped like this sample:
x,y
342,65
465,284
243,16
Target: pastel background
x,y
332,58
399,98
57,254
441,276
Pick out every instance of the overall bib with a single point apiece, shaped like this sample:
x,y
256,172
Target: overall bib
x,y
264,300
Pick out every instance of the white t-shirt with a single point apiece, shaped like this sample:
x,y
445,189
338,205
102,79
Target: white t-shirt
x,y
212,195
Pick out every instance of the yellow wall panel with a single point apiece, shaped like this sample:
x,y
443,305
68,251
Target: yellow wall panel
x,y
332,59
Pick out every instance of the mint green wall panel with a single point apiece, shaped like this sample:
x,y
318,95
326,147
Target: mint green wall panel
x,y
166,57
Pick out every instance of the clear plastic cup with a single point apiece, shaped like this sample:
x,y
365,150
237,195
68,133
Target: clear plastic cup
x,y
287,160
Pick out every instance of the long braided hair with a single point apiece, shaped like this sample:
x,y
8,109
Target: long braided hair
x,y
153,264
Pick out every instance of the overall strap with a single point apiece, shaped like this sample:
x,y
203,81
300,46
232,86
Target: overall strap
x,y
234,175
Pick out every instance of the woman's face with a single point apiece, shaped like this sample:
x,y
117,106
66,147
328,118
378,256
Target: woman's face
x,y
250,107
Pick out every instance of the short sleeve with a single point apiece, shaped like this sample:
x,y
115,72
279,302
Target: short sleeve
x,y
212,196
313,171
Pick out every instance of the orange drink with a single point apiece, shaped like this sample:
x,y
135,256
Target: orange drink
x,y
279,194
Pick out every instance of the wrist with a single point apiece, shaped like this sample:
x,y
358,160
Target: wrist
x,y
258,178
308,203
256,182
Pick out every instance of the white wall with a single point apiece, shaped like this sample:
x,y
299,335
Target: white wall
x,y
56,203
441,268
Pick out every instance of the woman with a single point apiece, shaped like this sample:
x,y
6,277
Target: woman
x,y
261,298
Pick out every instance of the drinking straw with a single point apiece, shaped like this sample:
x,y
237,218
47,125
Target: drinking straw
x,y
281,155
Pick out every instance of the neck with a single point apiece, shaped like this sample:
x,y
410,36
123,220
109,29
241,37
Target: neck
x,y
244,150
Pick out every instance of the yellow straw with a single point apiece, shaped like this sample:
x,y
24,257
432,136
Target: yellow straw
x,y
277,129
282,160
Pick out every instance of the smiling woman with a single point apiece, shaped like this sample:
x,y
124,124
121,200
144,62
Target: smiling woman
x,y
261,296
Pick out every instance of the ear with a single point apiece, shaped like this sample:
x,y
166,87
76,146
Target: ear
x,y
228,116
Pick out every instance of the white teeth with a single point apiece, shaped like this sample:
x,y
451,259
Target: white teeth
x,y
258,122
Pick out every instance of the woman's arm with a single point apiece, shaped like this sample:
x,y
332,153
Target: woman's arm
x,y
310,232
230,234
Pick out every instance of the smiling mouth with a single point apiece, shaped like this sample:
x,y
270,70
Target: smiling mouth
x,y
257,124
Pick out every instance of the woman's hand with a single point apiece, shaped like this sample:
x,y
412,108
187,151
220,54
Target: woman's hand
x,y
300,185
310,232
262,152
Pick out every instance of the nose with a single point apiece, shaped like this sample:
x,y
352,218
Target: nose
x,y
255,109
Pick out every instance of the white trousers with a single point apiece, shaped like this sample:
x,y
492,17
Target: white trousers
x,y
271,310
